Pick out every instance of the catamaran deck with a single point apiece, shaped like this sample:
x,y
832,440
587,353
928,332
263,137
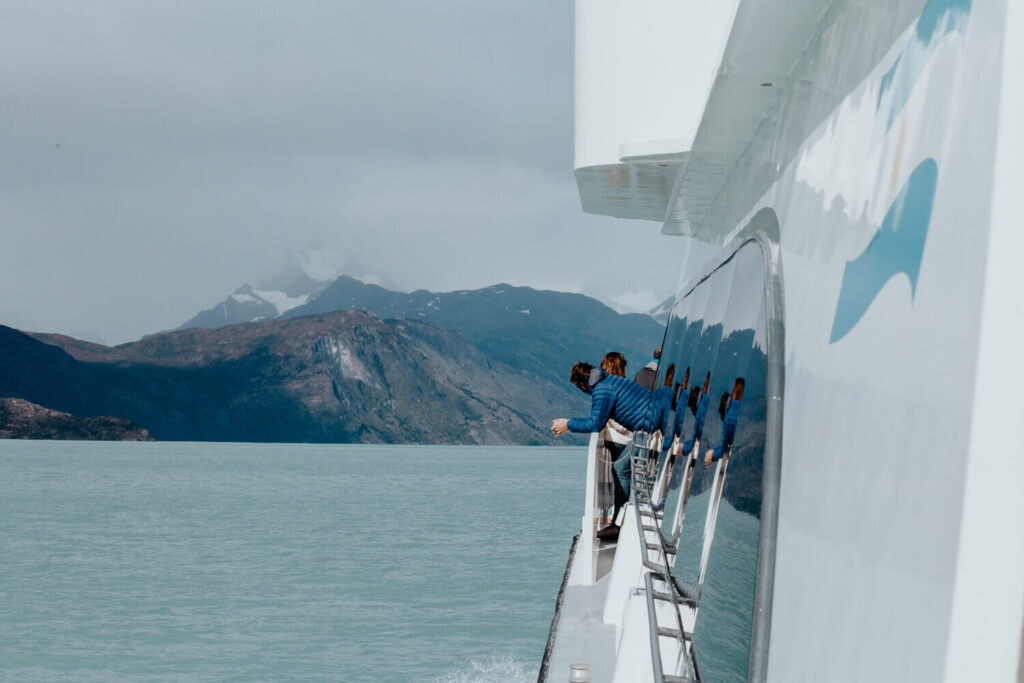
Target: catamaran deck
x,y
582,635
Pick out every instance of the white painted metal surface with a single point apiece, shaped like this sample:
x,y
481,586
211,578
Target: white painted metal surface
x,y
585,568
877,423
625,574
986,638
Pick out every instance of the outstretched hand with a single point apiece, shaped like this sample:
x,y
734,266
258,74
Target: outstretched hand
x,y
559,426
708,457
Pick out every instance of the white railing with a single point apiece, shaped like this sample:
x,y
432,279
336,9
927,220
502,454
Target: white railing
x,y
661,585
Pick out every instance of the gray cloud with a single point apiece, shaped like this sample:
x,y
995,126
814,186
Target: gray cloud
x,y
156,155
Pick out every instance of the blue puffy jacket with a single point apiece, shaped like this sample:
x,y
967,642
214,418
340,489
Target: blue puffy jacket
x,y
661,408
698,423
616,398
732,415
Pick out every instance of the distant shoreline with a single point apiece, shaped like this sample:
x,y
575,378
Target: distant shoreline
x,y
21,419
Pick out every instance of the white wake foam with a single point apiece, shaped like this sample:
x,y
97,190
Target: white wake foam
x,y
494,670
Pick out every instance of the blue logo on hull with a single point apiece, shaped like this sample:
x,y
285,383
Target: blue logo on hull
x,y
938,19
897,247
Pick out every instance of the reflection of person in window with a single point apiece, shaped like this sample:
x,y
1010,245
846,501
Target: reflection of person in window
x,y
661,404
681,389
730,412
698,404
674,432
612,397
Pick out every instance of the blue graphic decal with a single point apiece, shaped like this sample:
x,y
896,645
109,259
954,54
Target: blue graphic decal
x,y
897,247
939,18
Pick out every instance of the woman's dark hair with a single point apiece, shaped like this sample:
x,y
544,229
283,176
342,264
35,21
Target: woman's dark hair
x,y
723,403
614,363
737,388
580,376
694,398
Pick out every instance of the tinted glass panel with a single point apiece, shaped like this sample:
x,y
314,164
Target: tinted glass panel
x,y
723,345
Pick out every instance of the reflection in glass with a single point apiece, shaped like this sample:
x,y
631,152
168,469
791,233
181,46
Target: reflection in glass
x,y
717,331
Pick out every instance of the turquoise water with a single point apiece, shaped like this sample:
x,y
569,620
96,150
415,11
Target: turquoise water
x,y
236,562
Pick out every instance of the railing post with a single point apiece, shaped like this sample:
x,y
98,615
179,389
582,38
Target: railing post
x,y
588,567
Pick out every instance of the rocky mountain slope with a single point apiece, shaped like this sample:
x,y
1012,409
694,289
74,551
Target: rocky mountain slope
x,y
20,419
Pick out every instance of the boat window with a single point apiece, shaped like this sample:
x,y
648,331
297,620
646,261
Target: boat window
x,y
666,411
723,345
682,337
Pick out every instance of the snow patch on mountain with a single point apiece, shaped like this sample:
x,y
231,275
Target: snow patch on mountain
x,y
279,300
633,301
642,301
346,362
662,310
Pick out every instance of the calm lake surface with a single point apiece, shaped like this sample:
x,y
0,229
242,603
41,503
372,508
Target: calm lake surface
x,y
271,562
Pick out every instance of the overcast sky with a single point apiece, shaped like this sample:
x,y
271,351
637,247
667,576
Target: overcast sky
x,y
157,155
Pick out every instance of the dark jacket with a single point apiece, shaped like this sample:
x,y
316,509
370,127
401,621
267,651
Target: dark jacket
x,y
647,376
616,398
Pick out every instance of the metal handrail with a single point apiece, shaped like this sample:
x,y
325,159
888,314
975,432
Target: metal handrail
x,y
647,508
685,640
678,593
674,594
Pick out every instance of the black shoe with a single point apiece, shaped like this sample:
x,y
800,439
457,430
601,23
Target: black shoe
x,y
609,533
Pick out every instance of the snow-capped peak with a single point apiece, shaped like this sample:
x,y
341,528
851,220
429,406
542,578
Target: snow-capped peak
x,y
643,301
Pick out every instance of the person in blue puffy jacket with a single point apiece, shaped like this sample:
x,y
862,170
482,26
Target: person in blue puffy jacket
x,y
611,397
614,397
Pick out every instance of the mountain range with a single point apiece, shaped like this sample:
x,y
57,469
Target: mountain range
x,y
355,363
535,331
340,377
311,271
305,273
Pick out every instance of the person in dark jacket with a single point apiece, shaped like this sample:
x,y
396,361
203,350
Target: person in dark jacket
x,y
648,374
612,397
